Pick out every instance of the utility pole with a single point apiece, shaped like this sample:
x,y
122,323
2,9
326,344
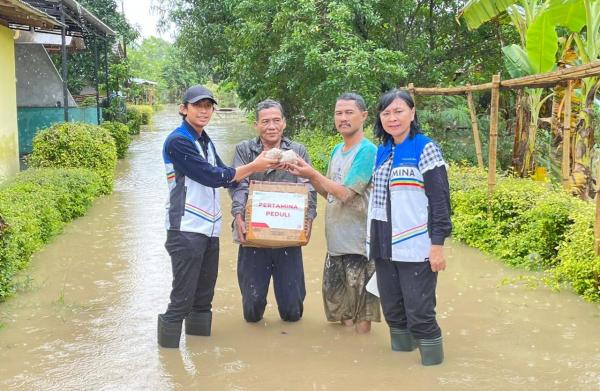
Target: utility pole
x,y
65,65
124,43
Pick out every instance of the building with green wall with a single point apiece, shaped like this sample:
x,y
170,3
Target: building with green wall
x,y
13,12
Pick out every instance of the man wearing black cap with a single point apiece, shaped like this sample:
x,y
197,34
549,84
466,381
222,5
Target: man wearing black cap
x,y
193,221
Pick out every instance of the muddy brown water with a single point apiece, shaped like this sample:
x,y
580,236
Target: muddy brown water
x,y
86,316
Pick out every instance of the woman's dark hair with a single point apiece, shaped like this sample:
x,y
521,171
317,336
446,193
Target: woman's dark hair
x,y
386,100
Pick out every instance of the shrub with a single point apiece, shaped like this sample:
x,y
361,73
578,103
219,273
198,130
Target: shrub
x,y
88,101
115,111
522,223
144,111
533,242
134,121
47,199
528,224
578,266
319,145
120,134
465,178
71,145
73,188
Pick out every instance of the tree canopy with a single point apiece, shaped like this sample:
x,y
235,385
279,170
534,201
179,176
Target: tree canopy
x,y
306,52
160,61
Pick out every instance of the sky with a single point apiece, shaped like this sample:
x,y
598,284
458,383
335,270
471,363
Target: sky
x,y
138,14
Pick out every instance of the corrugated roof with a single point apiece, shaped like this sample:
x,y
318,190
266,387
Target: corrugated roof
x,y
19,12
137,80
89,17
77,18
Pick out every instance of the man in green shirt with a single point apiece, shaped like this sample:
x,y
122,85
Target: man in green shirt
x,y
346,188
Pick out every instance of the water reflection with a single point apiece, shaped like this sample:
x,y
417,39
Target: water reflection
x,y
88,319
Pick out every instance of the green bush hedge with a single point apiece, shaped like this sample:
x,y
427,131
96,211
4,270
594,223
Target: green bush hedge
x,y
34,207
120,134
528,224
578,266
134,121
88,101
319,145
75,144
144,111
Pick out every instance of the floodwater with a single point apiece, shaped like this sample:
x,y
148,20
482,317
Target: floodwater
x,y
86,316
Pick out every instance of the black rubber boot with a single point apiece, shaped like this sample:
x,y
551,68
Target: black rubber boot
x,y
198,323
432,351
402,340
168,333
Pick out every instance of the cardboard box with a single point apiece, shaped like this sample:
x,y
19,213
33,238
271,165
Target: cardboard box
x,y
276,214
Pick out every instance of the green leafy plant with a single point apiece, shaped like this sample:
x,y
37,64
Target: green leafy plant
x,y
115,111
144,111
530,225
578,266
134,121
306,53
120,134
89,101
47,199
74,144
319,145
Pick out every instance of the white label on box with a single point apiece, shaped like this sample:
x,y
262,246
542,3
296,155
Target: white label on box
x,y
278,210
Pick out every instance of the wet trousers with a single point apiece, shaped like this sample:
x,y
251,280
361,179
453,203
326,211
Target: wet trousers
x,y
407,295
255,268
344,294
195,264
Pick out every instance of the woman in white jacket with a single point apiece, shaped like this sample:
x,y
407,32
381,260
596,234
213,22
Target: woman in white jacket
x,y
409,219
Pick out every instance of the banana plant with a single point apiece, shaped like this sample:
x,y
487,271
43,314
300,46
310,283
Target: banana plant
x,y
582,19
536,22
568,57
588,49
531,19
535,54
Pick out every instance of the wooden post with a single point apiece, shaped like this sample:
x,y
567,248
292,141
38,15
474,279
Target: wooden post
x,y
597,222
475,129
519,121
411,90
566,144
494,111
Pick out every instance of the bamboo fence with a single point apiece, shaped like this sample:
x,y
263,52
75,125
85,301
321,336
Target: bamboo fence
x,y
542,80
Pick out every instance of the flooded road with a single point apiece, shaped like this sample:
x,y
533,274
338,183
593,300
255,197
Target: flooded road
x,y
86,317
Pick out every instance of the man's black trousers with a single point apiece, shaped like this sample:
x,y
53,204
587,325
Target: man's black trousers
x,y
255,268
195,264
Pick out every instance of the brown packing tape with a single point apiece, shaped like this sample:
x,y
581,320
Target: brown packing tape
x,y
267,237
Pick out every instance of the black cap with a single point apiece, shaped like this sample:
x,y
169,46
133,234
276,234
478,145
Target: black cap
x,y
196,93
